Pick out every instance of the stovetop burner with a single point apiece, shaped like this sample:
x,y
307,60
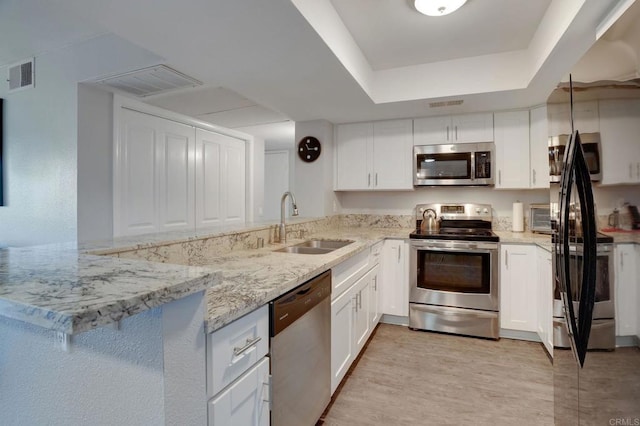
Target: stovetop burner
x,y
459,222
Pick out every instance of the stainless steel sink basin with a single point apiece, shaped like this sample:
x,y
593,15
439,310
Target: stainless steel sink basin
x,y
315,246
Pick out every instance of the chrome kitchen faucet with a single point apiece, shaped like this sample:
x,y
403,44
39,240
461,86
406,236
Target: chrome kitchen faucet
x,y
283,231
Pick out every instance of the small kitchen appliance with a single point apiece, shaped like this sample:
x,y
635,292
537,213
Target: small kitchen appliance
x,y
540,218
454,271
635,217
463,164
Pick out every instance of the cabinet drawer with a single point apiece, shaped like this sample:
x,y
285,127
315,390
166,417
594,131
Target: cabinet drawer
x,y
235,348
348,272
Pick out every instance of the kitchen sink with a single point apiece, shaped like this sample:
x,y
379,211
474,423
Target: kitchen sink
x,y
315,246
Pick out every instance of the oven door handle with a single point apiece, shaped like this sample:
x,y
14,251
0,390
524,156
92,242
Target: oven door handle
x,y
484,248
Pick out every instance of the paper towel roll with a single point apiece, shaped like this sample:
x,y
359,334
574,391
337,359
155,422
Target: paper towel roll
x,y
517,219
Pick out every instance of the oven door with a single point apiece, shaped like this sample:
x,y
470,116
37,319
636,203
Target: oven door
x,y
604,307
454,273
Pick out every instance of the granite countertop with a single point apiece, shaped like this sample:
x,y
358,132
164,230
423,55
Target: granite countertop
x,y
252,278
624,236
60,288
510,237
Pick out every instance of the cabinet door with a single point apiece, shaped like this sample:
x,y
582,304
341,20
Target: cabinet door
x,y
619,129
545,298
392,155
354,156
154,175
585,116
342,336
362,322
374,296
518,287
220,179
626,288
473,127
394,283
176,148
512,149
539,148
432,130
245,401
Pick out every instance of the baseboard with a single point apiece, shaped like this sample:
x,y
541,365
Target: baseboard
x,y
395,320
520,335
627,341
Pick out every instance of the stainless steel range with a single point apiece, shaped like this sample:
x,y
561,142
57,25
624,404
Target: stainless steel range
x,y
454,271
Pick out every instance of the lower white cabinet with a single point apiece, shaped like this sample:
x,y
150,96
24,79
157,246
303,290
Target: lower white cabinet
x,y
545,298
354,311
238,371
626,288
394,282
518,307
245,401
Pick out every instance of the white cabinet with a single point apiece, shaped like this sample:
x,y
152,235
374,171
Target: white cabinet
x,y
354,310
637,247
342,337
539,148
220,179
238,371
626,287
172,176
512,149
361,321
154,177
545,298
245,401
394,283
619,130
585,116
464,128
374,156
518,293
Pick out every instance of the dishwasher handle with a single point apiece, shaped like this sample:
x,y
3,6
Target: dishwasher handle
x,y
292,305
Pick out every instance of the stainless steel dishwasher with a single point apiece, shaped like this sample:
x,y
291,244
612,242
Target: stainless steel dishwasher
x,y
301,353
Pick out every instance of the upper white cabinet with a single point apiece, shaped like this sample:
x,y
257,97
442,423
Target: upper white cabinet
x,y
374,156
220,179
512,149
172,176
154,175
466,128
539,148
585,117
619,130
518,276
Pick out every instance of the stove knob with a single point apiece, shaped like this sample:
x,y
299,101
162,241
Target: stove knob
x,y
477,211
486,211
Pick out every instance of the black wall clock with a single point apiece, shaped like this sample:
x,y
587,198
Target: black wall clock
x,y
309,149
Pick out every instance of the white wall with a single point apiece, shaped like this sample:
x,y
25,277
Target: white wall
x,y
95,164
149,372
40,140
403,203
313,182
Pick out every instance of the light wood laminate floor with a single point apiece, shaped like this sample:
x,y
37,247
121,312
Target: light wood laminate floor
x,y
407,377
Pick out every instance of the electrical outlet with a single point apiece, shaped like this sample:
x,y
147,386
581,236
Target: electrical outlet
x,y
63,340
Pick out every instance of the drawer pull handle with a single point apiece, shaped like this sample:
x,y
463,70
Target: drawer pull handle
x,y
250,343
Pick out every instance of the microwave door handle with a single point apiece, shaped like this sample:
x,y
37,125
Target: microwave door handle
x,y
473,166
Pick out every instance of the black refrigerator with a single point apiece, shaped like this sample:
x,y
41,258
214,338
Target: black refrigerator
x,y
591,387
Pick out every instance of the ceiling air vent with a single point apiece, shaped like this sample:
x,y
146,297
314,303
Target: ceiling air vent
x,y
445,103
21,75
150,81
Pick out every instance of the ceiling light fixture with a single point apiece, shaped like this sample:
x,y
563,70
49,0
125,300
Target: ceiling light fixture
x,y
438,7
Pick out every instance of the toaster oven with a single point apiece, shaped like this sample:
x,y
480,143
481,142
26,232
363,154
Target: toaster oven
x,y
540,218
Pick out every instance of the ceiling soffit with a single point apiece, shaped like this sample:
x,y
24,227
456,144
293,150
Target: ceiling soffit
x,y
564,33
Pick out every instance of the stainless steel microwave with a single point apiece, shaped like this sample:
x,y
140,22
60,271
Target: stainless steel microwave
x,y
468,164
590,147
